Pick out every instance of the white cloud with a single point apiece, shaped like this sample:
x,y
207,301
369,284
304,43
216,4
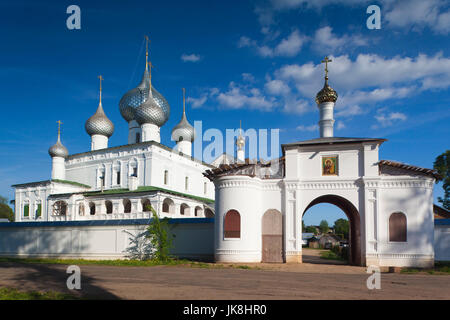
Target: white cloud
x,y
311,128
406,14
277,87
290,46
197,102
190,57
370,71
241,97
340,125
418,14
287,47
325,41
387,120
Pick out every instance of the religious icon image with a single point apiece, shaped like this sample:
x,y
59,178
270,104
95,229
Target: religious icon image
x,y
329,166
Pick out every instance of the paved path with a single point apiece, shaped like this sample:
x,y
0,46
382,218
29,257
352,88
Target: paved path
x,y
271,281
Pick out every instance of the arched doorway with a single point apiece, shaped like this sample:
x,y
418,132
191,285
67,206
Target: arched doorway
x,y
272,236
355,224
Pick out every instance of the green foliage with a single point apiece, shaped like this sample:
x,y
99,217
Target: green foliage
x,y
160,236
3,200
6,212
323,226
15,294
442,166
311,229
342,227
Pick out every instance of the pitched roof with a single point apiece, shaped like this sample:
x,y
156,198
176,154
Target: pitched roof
x,y
408,167
331,140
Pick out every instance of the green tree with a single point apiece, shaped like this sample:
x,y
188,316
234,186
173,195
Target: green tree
x,y
342,227
442,166
160,236
311,229
323,226
5,211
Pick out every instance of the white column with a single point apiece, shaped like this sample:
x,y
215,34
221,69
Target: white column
x,y
58,168
99,142
326,122
150,132
184,147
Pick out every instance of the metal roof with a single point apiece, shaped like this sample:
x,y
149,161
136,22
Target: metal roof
x,y
331,140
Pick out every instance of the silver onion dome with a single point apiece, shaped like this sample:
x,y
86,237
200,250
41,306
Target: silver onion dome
x,y
137,96
150,112
99,123
183,131
58,150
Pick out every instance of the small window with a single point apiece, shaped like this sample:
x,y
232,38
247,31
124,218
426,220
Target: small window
x,y
109,207
166,177
138,137
232,224
38,212
135,172
186,183
26,210
205,188
118,177
92,208
397,227
146,205
126,206
60,208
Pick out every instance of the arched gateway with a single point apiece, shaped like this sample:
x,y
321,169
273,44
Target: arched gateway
x,y
382,199
354,221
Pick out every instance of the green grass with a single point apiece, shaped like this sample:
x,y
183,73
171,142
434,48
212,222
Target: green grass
x,y
330,255
15,294
440,267
124,263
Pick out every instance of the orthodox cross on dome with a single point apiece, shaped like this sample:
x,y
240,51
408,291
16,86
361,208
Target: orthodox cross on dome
x,y
184,100
101,79
326,60
59,122
146,49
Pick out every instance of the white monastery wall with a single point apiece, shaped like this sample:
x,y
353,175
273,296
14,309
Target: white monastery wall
x,y
193,240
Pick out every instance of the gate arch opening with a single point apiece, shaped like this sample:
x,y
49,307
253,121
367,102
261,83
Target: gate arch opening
x,y
354,221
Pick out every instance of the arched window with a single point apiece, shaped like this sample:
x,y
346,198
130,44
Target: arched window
x,y
397,227
91,208
146,205
184,209
209,213
168,206
109,206
116,173
198,211
60,208
126,205
232,224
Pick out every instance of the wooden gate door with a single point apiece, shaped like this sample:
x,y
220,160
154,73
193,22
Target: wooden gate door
x,y
272,236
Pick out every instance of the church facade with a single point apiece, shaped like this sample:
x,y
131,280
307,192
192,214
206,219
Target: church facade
x,y
124,182
257,207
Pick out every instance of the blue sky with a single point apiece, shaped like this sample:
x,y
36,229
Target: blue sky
x,y
258,61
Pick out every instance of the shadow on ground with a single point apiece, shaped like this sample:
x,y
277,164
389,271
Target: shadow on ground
x,y
42,277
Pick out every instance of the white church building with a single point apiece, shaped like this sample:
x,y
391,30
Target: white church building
x,y
230,210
